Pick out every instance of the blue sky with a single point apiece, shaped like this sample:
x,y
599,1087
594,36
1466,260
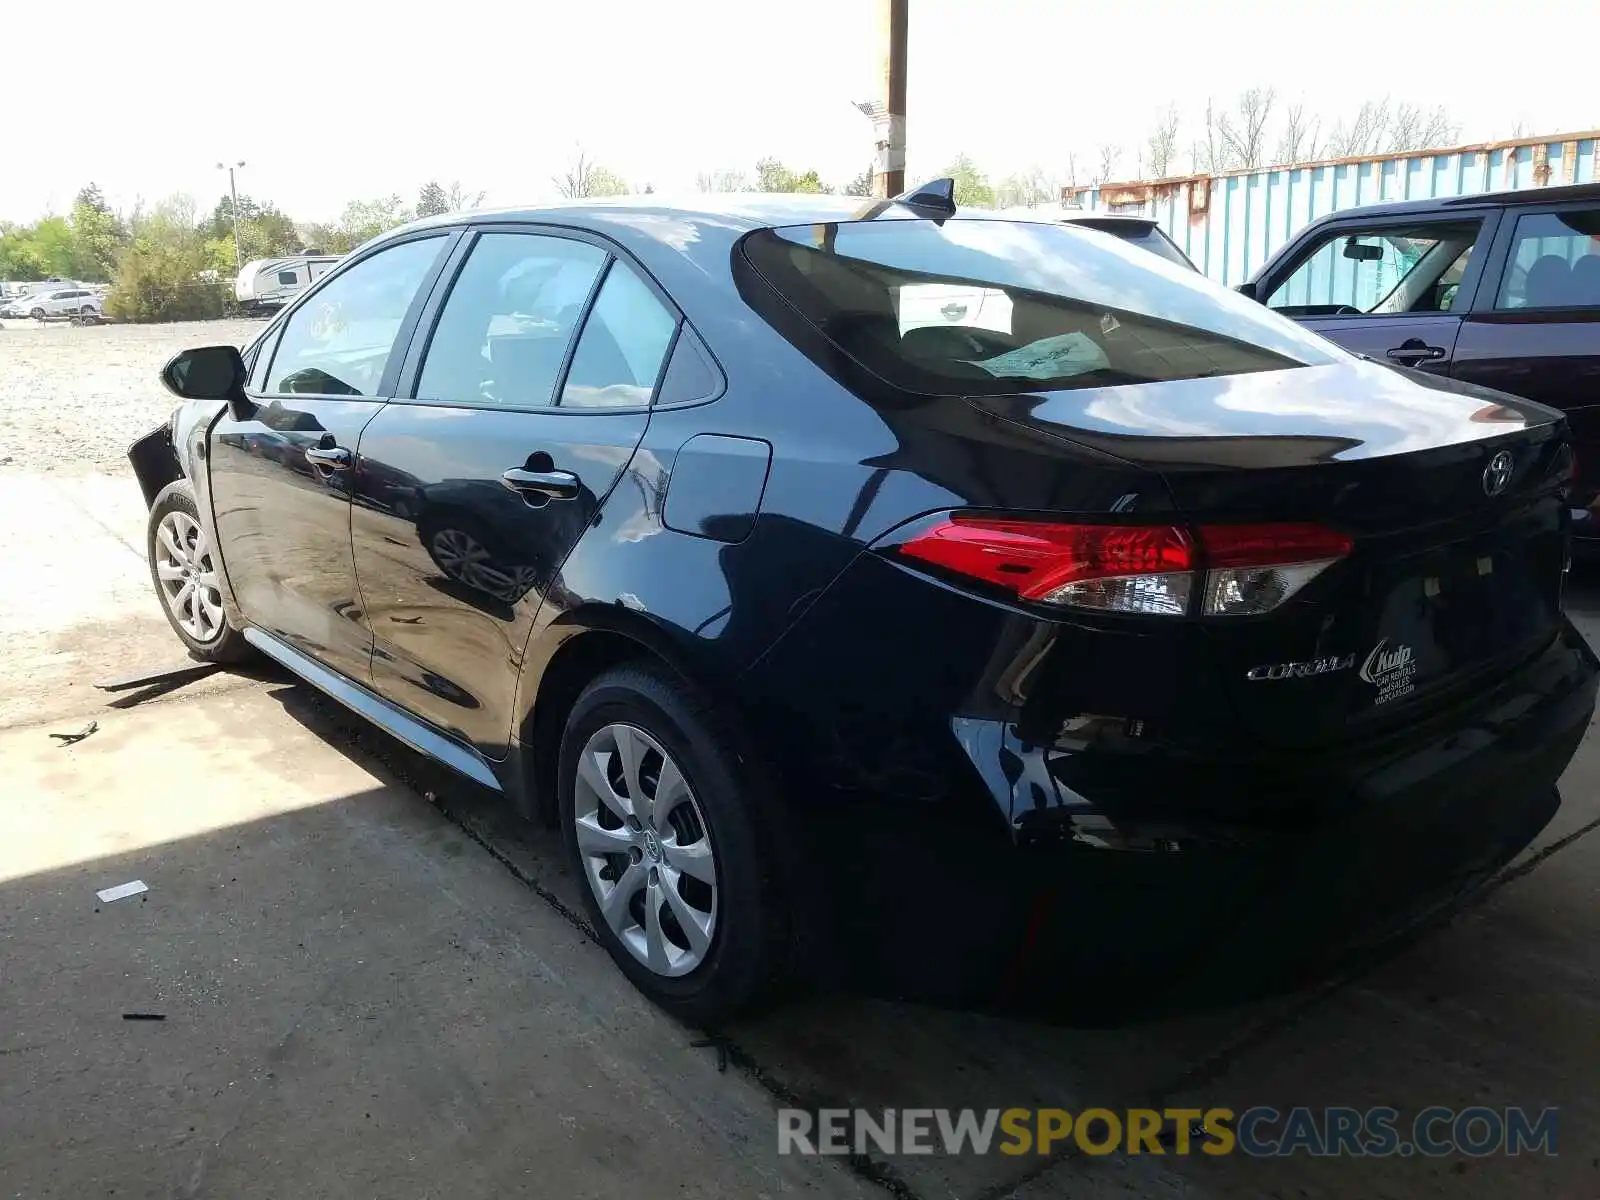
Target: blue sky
x,y
338,99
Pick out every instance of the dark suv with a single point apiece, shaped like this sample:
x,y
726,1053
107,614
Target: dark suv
x,y
991,602
1500,289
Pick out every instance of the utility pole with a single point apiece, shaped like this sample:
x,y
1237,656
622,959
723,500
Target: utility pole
x,y
889,110
233,190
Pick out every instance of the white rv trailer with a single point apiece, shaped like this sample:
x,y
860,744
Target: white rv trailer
x,y
270,283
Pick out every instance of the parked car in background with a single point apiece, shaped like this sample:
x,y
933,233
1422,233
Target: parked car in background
x,y
1113,625
1500,289
267,284
62,303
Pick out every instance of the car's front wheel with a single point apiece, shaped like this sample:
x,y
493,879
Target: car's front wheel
x,y
674,846
37,314
183,567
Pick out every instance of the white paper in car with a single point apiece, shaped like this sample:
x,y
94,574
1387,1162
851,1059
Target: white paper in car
x,y
1058,357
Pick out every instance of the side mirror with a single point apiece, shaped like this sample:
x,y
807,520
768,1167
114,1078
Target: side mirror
x,y
210,373
1247,290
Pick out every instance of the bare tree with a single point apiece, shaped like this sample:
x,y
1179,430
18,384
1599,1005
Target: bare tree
x,y
1206,156
1415,128
1071,177
461,199
724,180
1027,189
1163,143
1110,155
1243,134
1299,141
1365,134
585,177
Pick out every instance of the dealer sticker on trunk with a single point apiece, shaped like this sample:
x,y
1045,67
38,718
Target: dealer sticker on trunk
x,y
1392,669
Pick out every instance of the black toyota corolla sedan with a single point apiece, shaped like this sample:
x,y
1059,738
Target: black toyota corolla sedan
x,y
968,602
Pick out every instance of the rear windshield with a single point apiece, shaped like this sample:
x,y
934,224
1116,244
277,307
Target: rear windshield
x,y
1146,237
982,307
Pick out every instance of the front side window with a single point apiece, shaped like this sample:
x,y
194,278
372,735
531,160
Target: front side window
x,y
983,307
505,329
1554,263
1391,271
338,342
623,342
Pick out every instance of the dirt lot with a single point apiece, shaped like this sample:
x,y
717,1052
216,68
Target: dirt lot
x,y
373,981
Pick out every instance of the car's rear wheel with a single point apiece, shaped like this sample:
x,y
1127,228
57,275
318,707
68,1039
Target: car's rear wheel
x,y
37,314
184,569
673,847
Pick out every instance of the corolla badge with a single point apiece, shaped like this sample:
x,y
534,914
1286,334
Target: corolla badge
x,y
1498,473
1392,669
1301,670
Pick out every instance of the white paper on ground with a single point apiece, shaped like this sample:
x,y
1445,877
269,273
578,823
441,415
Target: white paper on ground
x,y
122,891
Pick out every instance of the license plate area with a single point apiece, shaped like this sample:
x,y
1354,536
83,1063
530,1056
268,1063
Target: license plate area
x,y
1445,614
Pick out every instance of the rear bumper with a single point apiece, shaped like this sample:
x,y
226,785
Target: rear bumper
x,y
966,862
1388,835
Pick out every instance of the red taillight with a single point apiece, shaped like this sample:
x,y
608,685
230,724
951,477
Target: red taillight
x,y
1268,545
1133,568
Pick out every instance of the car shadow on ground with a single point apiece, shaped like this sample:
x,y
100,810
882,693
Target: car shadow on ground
x,y
842,1048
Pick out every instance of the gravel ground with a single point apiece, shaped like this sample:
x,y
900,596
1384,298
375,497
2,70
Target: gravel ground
x,y
73,398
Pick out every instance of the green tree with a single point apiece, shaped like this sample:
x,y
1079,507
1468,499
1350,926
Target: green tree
x,y
972,185
53,246
773,176
167,272
584,178
363,220
724,180
432,200
861,185
1027,189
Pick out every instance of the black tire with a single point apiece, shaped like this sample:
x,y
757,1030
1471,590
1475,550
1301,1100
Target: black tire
x,y
37,314
228,644
749,959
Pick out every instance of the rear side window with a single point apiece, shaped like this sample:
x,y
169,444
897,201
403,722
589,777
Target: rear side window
x,y
1555,261
338,342
505,329
287,277
981,307
623,343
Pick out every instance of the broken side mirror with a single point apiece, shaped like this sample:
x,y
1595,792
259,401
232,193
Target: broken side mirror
x,y
210,373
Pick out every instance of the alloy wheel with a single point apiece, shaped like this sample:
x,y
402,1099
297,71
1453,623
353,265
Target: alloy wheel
x,y
188,576
646,849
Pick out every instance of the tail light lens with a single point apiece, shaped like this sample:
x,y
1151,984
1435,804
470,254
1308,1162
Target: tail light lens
x,y
1239,570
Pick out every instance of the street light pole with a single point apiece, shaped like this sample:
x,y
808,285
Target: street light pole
x,y
233,191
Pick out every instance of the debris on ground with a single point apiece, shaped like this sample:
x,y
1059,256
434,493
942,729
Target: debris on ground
x,y
72,739
144,1016
122,891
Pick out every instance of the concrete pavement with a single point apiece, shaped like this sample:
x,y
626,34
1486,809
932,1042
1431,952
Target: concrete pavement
x,y
327,944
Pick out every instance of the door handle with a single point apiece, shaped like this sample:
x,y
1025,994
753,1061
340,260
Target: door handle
x,y
335,458
1415,350
557,485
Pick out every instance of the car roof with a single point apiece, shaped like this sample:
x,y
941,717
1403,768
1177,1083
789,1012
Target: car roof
x,y
1447,204
686,241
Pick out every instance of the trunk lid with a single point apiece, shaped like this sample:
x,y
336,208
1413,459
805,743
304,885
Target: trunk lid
x,y
1453,495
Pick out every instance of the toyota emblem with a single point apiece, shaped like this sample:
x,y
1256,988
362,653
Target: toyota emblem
x,y
1497,474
